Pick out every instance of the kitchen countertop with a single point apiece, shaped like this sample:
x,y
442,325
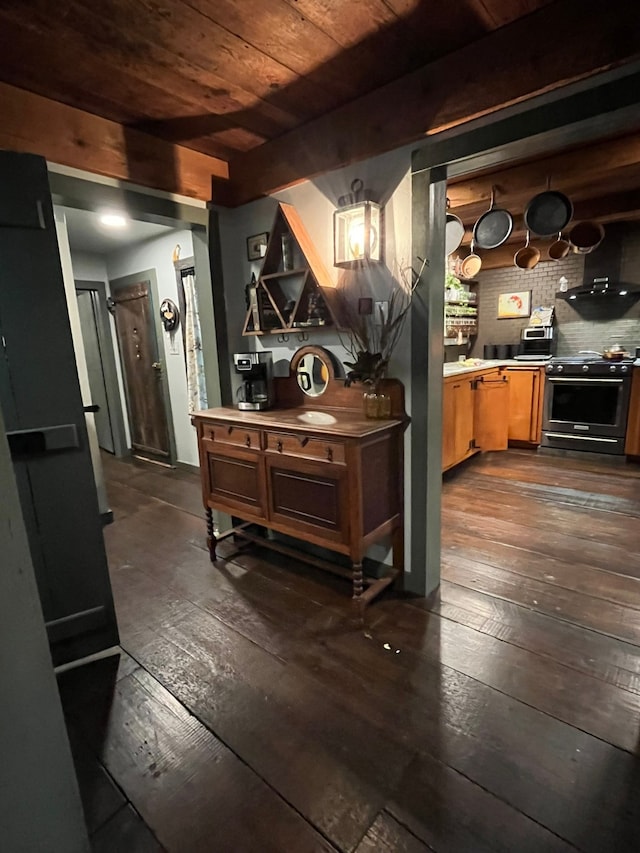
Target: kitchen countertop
x,y
453,368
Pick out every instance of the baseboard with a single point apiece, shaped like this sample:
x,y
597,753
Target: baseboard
x,y
186,466
152,461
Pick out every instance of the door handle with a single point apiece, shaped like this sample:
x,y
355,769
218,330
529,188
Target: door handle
x,y
157,365
27,442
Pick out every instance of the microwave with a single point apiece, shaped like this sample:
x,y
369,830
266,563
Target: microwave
x,y
537,333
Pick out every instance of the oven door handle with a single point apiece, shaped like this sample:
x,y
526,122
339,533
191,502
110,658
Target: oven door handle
x,y
582,379
573,437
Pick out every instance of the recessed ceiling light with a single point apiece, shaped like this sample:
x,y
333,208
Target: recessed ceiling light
x,y
113,220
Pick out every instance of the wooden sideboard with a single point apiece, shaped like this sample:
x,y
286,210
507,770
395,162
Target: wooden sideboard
x,y
339,486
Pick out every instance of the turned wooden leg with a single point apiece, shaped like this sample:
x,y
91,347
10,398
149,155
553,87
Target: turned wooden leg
x,y
357,575
211,539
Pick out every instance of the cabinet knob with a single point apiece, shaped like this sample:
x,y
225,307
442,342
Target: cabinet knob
x,y
330,454
247,441
279,447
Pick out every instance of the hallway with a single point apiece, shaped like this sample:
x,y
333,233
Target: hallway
x,y
252,711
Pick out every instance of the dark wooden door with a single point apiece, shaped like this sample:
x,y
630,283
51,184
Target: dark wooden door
x,y
142,370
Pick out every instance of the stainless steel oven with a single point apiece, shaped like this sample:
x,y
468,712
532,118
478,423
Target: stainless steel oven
x,y
586,405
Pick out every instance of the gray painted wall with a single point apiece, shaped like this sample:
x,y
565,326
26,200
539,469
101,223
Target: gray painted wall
x,y
389,180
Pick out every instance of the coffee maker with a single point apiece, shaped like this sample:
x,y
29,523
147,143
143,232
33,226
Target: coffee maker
x,y
256,369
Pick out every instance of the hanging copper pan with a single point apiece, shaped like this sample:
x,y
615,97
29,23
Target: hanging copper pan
x,y
559,249
586,236
470,266
527,257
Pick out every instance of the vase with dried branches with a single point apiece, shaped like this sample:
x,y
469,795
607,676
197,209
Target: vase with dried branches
x,y
371,331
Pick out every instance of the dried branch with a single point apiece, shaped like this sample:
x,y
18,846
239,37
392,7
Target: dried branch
x,y
372,338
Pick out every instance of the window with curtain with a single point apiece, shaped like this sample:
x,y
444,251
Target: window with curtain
x,y
192,334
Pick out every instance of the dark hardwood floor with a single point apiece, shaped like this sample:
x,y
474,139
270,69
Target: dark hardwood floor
x,y
251,709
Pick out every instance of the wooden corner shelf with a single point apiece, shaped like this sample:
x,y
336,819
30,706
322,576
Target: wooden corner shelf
x,y
294,291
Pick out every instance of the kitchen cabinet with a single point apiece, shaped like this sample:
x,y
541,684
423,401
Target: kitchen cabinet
x,y
338,486
457,421
491,411
632,443
474,415
526,386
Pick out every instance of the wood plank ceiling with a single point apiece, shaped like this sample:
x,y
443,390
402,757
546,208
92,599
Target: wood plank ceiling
x,y
279,89
224,76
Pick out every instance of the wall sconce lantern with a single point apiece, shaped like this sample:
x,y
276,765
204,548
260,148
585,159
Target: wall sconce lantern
x,y
357,229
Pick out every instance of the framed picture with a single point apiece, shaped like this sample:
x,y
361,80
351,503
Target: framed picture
x,y
257,246
512,305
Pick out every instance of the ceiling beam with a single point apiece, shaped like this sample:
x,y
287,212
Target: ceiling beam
x,y
72,137
566,170
583,195
560,44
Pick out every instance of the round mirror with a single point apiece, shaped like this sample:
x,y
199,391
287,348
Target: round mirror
x,y
312,375
313,369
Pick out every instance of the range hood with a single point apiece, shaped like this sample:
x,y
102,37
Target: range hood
x,y
602,267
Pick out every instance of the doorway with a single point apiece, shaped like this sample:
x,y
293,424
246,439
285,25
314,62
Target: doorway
x,y
145,384
101,366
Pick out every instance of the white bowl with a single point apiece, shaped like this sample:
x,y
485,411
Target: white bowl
x,y
317,418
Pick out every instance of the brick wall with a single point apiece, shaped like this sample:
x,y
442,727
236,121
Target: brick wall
x,y
580,324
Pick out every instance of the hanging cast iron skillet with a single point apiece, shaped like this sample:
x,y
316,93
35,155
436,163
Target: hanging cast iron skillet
x,y
494,227
453,232
548,213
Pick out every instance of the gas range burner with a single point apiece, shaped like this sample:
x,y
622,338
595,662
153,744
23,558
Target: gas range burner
x,y
584,364
586,359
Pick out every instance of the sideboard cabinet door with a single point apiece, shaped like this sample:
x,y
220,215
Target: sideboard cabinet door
x,y
234,480
310,497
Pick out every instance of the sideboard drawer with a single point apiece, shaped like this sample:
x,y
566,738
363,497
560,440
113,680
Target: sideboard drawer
x,y
301,446
235,435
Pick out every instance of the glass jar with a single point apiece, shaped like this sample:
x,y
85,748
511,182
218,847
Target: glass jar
x,y
376,403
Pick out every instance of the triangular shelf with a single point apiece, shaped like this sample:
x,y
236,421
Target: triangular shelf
x,y
294,289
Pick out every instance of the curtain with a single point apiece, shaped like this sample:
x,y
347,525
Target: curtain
x,y
196,388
